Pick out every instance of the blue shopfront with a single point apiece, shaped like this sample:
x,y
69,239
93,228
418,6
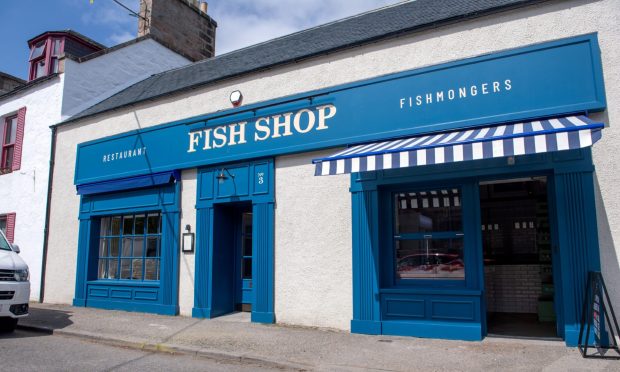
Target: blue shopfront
x,y
465,176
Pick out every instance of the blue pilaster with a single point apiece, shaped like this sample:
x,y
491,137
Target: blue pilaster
x,y
366,304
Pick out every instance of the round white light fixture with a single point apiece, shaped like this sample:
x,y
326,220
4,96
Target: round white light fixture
x,y
236,97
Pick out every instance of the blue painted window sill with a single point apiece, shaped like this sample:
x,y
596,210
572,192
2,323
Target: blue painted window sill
x,y
132,283
431,291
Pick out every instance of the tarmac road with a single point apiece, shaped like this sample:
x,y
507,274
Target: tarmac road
x,y
30,351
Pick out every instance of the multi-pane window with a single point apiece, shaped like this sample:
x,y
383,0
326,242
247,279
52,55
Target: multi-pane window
x,y
130,247
9,132
428,237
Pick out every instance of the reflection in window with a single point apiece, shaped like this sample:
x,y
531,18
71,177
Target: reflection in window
x,y
127,250
430,258
428,238
425,211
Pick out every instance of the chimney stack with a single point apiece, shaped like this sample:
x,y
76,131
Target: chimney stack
x,y
181,25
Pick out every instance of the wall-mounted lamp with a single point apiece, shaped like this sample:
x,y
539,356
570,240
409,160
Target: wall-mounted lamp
x,y
221,177
188,240
511,160
236,98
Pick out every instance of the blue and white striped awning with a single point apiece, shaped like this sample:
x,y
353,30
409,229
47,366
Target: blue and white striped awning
x,y
564,133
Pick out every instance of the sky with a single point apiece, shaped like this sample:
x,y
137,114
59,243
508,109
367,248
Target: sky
x,y
240,22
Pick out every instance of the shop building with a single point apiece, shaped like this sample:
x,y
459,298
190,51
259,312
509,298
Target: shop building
x,y
432,169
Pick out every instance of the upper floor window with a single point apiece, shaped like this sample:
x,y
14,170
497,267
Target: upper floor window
x,y
11,141
8,142
44,57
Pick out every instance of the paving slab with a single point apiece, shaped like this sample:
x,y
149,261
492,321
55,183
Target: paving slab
x,y
302,348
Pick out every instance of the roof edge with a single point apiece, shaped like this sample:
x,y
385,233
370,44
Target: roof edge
x,y
387,36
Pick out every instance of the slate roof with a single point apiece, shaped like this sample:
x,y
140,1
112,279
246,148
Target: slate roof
x,y
353,31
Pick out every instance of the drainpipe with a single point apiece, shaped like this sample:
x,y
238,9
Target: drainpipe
x,y
50,178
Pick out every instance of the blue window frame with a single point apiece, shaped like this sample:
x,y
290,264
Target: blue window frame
x,y
130,247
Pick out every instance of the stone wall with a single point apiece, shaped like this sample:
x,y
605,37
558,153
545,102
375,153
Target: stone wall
x,y
180,26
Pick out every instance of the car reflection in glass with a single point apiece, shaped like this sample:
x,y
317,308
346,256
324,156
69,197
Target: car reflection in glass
x,y
432,265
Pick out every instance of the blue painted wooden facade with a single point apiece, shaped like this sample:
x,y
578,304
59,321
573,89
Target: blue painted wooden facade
x,y
248,183
382,306
555,78
158,296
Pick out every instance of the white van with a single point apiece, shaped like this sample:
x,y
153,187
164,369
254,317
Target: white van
x,y
14,286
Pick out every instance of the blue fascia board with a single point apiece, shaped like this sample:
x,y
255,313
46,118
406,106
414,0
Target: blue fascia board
x,y
323,96
592,37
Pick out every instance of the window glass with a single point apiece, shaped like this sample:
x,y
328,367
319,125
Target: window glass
x,y
425,211
4,244
10,131
430,258
247,268
37,50
130,247
39,69
153,224
7,157
428,238
56,47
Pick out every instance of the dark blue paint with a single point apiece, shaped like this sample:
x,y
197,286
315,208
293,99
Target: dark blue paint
x,y
547,80
382,305
217,208
160,296
136,182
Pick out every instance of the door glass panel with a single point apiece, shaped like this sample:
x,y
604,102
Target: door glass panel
x,y
430,259
426,211
247,268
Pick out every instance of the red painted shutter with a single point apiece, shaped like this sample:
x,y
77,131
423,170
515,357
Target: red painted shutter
x,y
10,227
19,139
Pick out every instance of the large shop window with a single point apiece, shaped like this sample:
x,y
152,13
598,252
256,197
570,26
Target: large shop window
x,y
428,235
130,247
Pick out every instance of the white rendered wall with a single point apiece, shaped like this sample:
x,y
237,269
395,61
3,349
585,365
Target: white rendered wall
x,y
25,191
547,21
188,217
313,277
99,78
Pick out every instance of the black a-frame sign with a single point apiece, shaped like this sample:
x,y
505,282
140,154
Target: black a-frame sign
x,y
596,313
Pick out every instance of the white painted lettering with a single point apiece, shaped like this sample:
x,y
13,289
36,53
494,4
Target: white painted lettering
x,y
262,128
237,133
507,84
282,124
194,138
322,116
297,121
219,137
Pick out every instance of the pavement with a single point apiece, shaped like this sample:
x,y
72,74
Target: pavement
x,y
284,347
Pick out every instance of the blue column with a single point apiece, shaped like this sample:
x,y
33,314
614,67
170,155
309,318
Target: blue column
x,y
366,302
263,262
578,244
204,253
83,254
169,263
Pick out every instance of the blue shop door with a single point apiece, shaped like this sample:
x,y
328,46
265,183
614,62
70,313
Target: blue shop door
x,y
243,275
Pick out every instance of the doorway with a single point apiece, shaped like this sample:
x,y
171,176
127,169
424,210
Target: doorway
x,y
518,260
232,258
